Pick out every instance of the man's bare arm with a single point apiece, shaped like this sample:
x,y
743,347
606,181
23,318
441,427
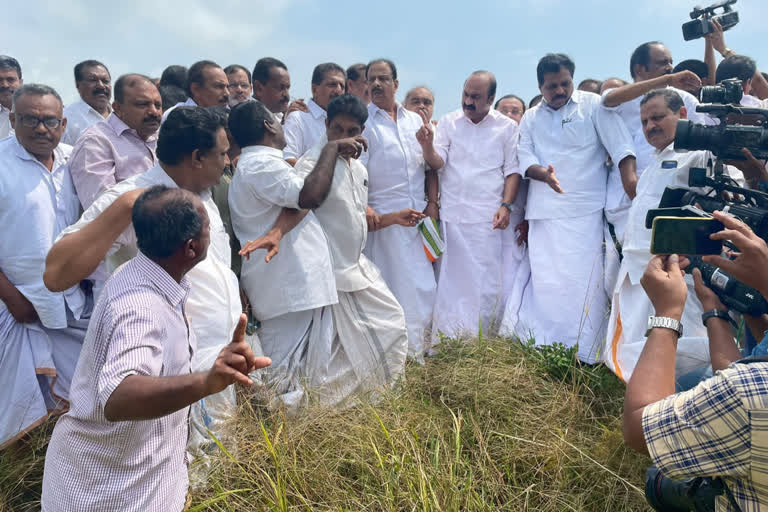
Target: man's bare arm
x,y
628,92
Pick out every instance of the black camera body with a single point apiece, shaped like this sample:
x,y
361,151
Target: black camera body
x,y
725,140
702,16
734,294
728,91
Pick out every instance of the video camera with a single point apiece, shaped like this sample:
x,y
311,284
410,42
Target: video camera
x,y
728,91
701,16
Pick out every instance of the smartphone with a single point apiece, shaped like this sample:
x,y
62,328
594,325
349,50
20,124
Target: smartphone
x,y
685,236
682,211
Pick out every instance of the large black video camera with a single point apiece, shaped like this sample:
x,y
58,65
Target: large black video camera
x,y
701,16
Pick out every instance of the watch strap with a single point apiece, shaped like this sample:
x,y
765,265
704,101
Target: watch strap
x,y
716,313
665,323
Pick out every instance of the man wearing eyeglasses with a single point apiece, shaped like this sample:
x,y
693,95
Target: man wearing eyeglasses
x,y
41,331
94,84
240,87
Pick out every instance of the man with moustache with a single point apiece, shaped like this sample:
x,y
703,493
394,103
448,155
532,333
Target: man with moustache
x,y
272,87
476,153
94,84
41,332
562,152
421,98
192,151
305,129
240,87
10,80
121,146
357,83
396,170
207,86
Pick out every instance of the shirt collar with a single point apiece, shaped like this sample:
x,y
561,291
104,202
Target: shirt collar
x,y
575,98
490,115
315,109
23,154
175,293
668,149
87,108
258,149
119,126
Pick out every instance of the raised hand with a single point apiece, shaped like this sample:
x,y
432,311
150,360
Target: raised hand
x,y
664,284
426,134
270,242
684,80
296,105
352,147
235,362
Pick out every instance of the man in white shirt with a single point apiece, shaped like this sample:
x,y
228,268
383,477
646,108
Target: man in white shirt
x,y
41,332
272,86
94,84
207,86
742,68
421,98
240,86
305,129
476,150
10,80
192,153
564,143
396,170
357,82
630,309
368,323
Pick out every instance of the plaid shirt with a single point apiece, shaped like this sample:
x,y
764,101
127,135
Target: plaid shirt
x,y
92,464
719,428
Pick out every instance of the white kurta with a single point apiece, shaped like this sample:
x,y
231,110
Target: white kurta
x,y
214,288
368,319
292,294
304,129
566,230
630,306
396,166
478,158
80,116
37,360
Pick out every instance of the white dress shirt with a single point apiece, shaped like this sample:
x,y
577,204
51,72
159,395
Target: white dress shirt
x,y
394,160
303,130
669,169
189,102
630,114
300,277
574,139
80,116
342,216
214,285
5,123
478,158
35,205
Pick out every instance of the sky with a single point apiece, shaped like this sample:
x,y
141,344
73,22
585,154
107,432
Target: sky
x,y
435,43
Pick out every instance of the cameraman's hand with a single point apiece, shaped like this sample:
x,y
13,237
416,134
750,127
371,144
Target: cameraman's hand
x,y
663,283
716,37
753,169
684,80
750,265
709,299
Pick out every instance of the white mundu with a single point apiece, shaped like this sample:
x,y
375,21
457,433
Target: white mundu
x,y
368,319
304,129
565,300
396,166
630,306
478,158
292,295
37,359
214,288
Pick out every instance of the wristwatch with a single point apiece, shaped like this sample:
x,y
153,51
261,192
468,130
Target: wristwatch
x,y
716,313
508,206
666,323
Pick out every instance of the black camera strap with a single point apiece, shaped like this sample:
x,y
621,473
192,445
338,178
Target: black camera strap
x,y
615,239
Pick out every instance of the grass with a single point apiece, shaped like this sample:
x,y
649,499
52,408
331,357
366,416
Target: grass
x,y
487,425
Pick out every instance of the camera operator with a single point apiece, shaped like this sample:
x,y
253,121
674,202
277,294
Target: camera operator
x,y
720,427
754,83
661,109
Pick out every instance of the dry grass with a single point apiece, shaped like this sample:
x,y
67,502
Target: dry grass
x,y
482,426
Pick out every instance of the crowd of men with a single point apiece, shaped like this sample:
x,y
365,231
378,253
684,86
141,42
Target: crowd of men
x,y
146,235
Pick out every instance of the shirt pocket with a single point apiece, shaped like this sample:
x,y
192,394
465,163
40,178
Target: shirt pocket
x,y
579,132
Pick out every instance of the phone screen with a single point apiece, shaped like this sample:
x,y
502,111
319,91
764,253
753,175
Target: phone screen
x,y
685,235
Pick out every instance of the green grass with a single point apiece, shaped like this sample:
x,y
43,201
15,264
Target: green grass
x,y
482,426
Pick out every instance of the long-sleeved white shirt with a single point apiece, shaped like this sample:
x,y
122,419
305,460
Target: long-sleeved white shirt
x,y
394,160
478,158
575,139
303,130
80,116
300,276
35,205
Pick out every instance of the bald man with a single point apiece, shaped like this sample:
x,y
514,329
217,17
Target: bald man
x,y
122,145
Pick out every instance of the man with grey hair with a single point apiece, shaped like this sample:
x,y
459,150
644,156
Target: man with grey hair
x,y
10,80
421,98
42,332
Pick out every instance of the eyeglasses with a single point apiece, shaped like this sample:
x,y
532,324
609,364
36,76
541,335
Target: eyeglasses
x,y
240,85
33,122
